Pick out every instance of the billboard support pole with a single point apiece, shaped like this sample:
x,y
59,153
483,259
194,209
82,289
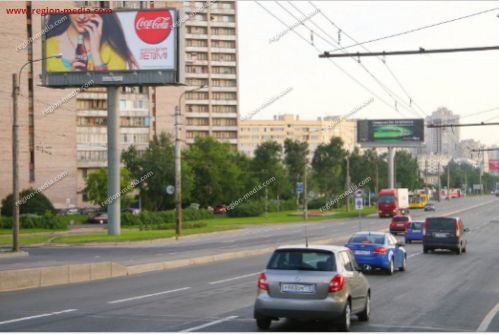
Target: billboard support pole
x,y
391,167
113,162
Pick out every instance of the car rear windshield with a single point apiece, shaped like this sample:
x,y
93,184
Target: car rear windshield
x,y
440,224
417,225
400,219
302,259
367,239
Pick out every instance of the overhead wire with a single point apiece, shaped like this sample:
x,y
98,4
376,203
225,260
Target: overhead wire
x,y
381,84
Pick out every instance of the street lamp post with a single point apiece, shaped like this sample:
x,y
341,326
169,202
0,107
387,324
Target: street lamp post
x,y
16,86
178,165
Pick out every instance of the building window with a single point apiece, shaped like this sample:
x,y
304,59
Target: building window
x,y
196,82
224,121
224,96
197,43
223,83
198,121
224,109
196,69
196,108
223,57
196,96
223,44
225,134
223,70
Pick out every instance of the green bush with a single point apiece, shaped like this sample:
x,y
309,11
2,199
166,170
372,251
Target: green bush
x,y
247,209
34,202
163,219
289,204
48,221
317,203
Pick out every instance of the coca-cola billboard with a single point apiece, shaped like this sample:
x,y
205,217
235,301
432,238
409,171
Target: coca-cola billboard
x,y
126,47
493,164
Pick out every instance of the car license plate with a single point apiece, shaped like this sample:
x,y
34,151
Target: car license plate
x,y
297,288
362,252
440,235
400,225
416,231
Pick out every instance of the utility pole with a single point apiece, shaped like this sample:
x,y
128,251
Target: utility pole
x,y
348,182
448,181
391,167
15,168
439,182
305,196
178,175
113,160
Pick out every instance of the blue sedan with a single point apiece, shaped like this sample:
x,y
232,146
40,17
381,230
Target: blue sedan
x,y
414,232
378,250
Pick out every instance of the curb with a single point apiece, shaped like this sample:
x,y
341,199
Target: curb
x,y
12,254
20,279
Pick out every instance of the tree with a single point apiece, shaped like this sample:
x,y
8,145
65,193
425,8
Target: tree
x,y
407,171
30,200
96,187
158,160
295,159
327,164
267,164
217,176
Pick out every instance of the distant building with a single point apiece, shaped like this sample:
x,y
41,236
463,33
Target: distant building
x,y
429,165
442,141
315,132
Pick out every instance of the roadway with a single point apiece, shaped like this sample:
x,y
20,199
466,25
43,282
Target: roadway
x,y
439,292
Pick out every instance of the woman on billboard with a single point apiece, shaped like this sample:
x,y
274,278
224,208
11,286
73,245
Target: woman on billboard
x,y
87,42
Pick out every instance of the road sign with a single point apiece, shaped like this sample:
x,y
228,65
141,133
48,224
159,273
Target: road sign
x,y
359,203
359,193
299,187
170,190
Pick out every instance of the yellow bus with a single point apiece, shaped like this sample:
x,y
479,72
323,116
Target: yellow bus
x,y
418,201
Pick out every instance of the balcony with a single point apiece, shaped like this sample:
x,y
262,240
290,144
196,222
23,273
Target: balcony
x,y
224,37
221,50
196,36
197,101
224,115
229,11
196,48
223,76
223,24
92,96
196,75
223,63
224,102
198,127
224,89
225,128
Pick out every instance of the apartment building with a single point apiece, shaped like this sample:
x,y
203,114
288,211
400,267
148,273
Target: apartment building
x,y
442,140
47,140
211,60
315,132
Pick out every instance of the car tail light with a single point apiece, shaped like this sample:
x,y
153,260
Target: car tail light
x,y
262,282
457,228
424,227
337,283
380,250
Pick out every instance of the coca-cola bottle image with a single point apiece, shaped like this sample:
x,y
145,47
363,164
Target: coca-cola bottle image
x,y
81,54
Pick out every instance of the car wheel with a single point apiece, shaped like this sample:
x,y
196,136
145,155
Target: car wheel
x,y
425,250
404,264
459,250
391,267
464,250
344,323
408,241
263,322
364,316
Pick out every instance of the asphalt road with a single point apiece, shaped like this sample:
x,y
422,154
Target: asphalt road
x,y
439,292
252,237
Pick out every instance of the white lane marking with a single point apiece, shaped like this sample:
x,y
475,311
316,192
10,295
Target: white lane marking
x,y
234,278
147,296
197,328
415,254
37,316
484,325
420,328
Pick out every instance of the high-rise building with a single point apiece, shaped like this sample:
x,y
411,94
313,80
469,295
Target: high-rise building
x,y
73,137
443,141
254,132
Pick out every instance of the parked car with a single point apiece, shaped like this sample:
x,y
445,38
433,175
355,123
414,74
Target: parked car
x,y
312,283
220,210
429,207
414,232
72,211
100,218
378,250
444,233
399,224
134,211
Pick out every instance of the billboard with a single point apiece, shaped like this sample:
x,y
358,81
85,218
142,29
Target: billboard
x,y
390,132
493,164
126,47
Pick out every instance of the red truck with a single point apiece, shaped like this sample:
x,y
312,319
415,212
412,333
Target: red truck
x,y
392,202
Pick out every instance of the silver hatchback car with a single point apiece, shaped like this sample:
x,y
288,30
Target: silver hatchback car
x,y
312,283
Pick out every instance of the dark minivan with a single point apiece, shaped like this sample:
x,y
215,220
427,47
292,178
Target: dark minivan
x,y
444,233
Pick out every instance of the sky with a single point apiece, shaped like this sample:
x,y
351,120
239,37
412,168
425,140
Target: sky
x,y
281,73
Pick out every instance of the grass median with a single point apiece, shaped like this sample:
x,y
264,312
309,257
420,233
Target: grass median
x,y
217,224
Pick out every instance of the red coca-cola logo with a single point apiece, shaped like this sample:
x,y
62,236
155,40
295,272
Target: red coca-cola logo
x,y
153,26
